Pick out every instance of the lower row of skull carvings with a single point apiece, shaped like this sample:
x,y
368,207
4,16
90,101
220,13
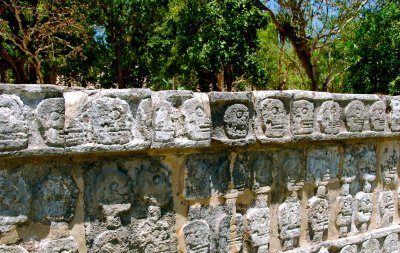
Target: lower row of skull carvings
x,y
216,229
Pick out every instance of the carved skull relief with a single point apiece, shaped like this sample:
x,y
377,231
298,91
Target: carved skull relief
x,y
302,117
236,121
329,117
355,115
13,125
164,130
274,117
111,121
197,123
378,116
197,236
50,116
395,115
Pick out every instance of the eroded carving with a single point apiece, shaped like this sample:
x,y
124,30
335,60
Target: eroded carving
x,y
15,200
56,199
370,246
261,163
241,173
395,115
197,122
322,164
377,116
355,115
236,121
274,118
51,115
386,208
391,244
111,121
289,220
388,164
258,222
363,210
345,207
60,246
13,125
328,117
114,241
318,218
302,117
157,233
349,249
164,130
12,249
197,236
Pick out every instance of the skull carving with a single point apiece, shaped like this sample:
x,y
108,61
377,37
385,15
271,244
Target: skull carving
x,y
50,116
274,114
378,116
395,115
355,115
13,125
302,117
329,117
198,124
110,121
164,128
236,121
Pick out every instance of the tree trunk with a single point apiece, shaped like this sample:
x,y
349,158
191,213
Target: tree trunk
x,y
230,79
51,77
120,76
220,79
204,83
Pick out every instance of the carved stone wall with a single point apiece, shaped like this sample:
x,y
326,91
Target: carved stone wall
x,y
177,171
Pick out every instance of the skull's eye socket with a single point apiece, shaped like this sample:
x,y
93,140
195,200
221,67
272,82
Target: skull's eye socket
x,y
115,114
54,116
239,114
274,110
305,110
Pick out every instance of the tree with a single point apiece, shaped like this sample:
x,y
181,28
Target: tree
x,y
311,26
37,36
212,43
373,51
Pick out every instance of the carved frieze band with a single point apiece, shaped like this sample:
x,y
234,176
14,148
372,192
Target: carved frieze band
x,y
56,120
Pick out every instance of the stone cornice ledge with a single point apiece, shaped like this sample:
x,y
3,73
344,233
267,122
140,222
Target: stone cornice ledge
x,y
54,120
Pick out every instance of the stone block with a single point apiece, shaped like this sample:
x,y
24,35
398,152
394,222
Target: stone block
x,y
107,120
181,119
232,117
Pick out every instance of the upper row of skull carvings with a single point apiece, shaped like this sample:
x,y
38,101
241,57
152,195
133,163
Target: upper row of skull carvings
x,y
183,118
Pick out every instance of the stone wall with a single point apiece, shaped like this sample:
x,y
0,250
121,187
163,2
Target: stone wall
x,y
177,171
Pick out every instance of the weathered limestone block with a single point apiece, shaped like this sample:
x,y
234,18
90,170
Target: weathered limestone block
x,y
318,218
55,199
61,245
232,117
345,210
389,160
197,236
129,206
322,164
206,174
394,116
12,249
15,199
181,119
355,115
272,115
391,244
106,120
302,117
51,116
258,226
261,164
156,233
370,246
289,220
241,175
291,164
363,210
219,220
378,117
13,124
386,208
349,249
328,118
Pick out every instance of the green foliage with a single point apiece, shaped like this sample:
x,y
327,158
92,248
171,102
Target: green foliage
x,y
199,39
374,52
